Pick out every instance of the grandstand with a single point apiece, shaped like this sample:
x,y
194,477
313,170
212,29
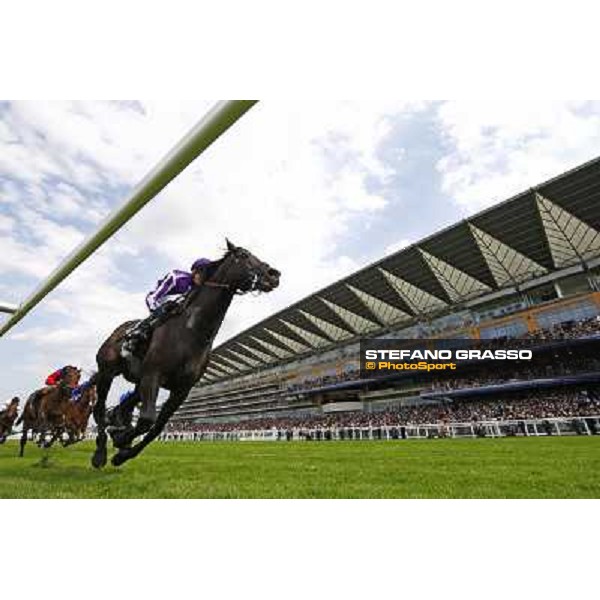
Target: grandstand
x,y
528,267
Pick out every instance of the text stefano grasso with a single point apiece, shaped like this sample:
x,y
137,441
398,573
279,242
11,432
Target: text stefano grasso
x,y
453,354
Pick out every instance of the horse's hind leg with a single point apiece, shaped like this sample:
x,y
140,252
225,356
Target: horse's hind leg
x,y
170,406
103,384
23,441
147,391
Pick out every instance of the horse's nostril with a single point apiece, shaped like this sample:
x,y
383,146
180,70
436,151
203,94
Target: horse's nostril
x,y
274,273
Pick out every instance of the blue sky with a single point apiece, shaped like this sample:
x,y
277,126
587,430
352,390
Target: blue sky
x,y
317,190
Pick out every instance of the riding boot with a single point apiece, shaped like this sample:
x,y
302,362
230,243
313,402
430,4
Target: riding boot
x,y
136,337
141,332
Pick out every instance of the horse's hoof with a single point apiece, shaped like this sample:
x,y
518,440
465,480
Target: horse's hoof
x,y
99,459
122,439
120,457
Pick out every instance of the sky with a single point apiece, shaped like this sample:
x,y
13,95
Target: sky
x,y
318,190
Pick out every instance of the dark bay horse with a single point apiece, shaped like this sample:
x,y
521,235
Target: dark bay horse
x,y
177,353
44,411
7,418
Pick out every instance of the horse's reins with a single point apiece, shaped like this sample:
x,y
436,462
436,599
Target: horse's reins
x,y
225,286
214,284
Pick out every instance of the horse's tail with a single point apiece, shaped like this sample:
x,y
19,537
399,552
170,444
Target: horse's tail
x,y
30,402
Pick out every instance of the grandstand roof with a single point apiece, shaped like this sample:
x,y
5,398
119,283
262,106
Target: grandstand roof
x,y
546,228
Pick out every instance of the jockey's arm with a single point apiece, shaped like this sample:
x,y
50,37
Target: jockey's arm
x,y
171,284
165,287
55,377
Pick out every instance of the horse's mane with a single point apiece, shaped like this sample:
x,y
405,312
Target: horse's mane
x,y
89,382
212,269
93,378
209,272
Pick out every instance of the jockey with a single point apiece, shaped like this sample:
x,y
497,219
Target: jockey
x,y
77,391
161,302
176,284
58,375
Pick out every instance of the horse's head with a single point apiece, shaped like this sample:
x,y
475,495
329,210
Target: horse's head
x,y
90,396
244,272
71,376
13,406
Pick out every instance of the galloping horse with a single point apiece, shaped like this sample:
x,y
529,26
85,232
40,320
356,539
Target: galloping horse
x,y
45,410
177,353
7,418
77,414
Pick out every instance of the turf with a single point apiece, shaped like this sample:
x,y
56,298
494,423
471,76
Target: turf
x,y
482,468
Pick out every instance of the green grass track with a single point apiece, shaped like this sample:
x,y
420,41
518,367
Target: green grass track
x,y
565,467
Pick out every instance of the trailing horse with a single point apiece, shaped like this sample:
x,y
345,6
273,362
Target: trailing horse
x,y
7,418
77,414
44,410
176,356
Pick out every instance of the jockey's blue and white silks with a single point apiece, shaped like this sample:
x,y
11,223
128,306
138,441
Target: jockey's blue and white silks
x,y
125,396
169,287
77,392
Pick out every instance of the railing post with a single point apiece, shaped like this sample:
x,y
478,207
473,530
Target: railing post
x,y
220,118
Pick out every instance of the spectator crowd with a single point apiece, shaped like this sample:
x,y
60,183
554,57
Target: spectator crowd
x,y
562,331
538,404
565,402
519,372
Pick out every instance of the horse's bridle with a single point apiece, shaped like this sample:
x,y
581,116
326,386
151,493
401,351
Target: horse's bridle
x,y
214,284
217,285
253,278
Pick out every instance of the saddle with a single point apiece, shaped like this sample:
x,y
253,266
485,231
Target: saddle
x,y
139,335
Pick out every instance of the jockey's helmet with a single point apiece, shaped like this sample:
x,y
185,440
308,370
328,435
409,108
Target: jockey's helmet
x,y
200,264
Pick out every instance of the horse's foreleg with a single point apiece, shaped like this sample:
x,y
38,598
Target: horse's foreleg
x,y
55,434
103,384
41,432
148,391
66,442
174,401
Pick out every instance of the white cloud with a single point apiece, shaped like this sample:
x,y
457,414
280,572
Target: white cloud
x,y
285,183
497,148
288,182
6,223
